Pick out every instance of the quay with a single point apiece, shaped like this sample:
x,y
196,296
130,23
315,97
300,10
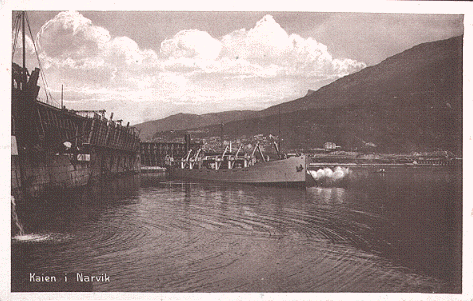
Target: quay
x,y
155,154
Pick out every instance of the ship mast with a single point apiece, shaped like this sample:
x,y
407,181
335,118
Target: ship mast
x,y
24,48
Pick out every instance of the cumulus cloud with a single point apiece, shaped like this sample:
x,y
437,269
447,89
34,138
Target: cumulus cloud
x,y
266,41
191,44
266,50
71,40
189,68
70,35
17,42
269,45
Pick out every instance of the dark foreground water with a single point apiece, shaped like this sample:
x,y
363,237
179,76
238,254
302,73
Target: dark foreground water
x,y
394,231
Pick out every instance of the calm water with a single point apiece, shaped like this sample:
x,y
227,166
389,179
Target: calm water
x,y
398,231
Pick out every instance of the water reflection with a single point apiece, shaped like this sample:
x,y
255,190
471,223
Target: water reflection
x,y
62,212
325,195
396,232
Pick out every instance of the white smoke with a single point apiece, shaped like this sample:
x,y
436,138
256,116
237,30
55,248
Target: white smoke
x,y
327,176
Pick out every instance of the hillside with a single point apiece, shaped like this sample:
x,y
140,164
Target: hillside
x,y
188,121
411,101
425,69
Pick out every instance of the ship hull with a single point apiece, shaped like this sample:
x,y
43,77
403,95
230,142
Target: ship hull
x,y
45,173
290,171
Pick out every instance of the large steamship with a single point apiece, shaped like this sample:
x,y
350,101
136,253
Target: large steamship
x,y
56,148
238,166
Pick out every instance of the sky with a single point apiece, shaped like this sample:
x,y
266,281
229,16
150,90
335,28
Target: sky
x,y
146,65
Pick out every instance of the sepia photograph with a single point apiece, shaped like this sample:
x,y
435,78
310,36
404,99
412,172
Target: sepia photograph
x,y
237,151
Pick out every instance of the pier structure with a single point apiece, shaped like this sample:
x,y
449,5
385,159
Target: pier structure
x,y
155,153
63,148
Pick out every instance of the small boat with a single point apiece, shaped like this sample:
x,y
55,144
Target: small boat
x,y
241,168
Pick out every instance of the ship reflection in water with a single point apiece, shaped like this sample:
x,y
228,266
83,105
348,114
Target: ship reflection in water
x,y
396,231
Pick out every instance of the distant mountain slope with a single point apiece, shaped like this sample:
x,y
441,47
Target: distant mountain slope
x,y
188,121
411,101
428,68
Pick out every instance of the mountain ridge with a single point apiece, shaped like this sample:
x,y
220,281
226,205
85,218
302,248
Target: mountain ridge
x,y
409,101
184,121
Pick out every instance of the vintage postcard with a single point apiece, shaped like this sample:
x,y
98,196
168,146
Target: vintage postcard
x,y
243,151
